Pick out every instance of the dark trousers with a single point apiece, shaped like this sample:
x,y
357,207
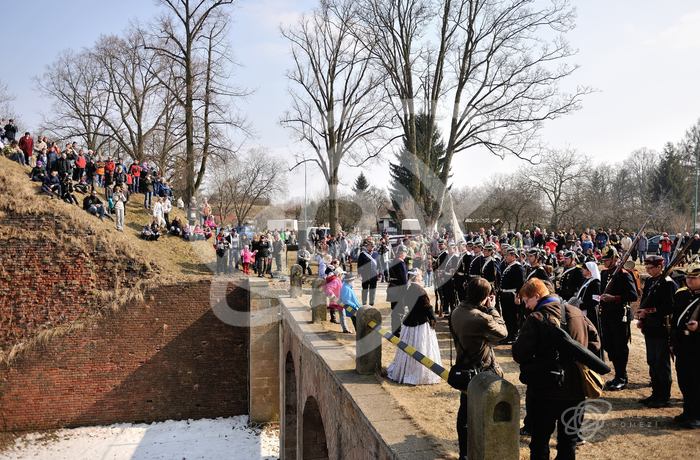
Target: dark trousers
x,y
397,310
615,342
305,268
462,426
369,289
545,415
450,297
510,314
659,361
688,373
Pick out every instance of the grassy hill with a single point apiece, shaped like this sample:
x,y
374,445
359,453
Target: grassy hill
x,y
60,266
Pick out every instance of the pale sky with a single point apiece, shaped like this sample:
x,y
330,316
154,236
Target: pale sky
x,y
641,56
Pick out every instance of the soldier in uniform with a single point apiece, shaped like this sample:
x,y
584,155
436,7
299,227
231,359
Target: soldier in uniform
x,y
451,267
478,260
440,278
512,280
657,300
615,316
398,279
536,269
685,339
489,269
572,278
462,275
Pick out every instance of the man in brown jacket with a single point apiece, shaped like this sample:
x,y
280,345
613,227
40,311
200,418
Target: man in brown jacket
x,y
476,326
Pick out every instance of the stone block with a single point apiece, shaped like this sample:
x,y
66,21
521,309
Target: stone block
x,y
368,355
493,417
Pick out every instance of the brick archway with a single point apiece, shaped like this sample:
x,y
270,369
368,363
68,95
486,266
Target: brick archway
x,y
290,409
314,435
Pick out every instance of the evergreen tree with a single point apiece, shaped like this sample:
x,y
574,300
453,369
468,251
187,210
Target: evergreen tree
x,y
361,184
670,183
430,162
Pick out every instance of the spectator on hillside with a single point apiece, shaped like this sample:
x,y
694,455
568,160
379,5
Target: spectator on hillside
x,y
52,185
100,172
198,232
175,227
135,171
158,212
167,209
147,191
187,232
205,211
10,130
90,171
26,144
67,191
13,152
119,199
93,205
80,165
38,172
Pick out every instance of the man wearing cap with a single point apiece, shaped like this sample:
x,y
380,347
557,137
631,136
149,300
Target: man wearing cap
x,y
478,260
654,315
450,286
367,268
462,275
615,316
685,338
512,280
398,278
489,269
536,269
439,263
572,279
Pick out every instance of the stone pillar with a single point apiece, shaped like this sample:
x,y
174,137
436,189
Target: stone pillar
x,y
493,417
319,305
295,278
368,350
263,352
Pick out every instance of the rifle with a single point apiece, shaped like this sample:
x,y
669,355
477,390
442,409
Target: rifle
x,y
621,262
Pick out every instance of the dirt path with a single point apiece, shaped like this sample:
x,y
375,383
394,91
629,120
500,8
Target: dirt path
x,y
630,429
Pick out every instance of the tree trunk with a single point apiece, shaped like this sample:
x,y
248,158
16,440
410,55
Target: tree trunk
x,y
333,202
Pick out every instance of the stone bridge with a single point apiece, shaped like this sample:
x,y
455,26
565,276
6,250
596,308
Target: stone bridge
x,y
303,377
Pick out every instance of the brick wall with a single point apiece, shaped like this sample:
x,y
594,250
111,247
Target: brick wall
x,y
168,358
51,275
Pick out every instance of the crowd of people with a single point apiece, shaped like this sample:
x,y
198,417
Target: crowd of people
x,y
506,289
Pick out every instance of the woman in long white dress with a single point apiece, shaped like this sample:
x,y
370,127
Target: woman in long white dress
x,y
418,331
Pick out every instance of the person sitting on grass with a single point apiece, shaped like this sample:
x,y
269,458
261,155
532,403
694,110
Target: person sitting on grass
x,y
93,205
38,173
52,185
67,191
198,233
187,232
208,233
209,222
175,227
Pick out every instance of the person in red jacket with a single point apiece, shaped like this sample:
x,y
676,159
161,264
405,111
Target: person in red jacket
x,y
666,244
26,144
135,171
80,163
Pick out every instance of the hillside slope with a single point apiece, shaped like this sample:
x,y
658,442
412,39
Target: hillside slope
x,y
59,265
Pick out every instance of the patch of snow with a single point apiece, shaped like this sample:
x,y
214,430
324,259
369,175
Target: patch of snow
x,y
220,438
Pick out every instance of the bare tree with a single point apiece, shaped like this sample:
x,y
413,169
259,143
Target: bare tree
x,y
181,38
337,107
558,178
513,200
240,184
5,100
496,64
131,78
78,103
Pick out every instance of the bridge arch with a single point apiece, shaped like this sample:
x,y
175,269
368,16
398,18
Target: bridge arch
x,y
313,433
